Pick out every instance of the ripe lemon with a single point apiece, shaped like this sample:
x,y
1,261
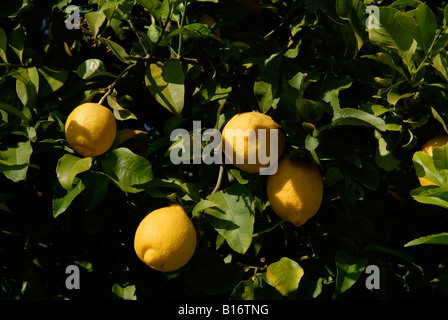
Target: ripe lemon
x,y
428,148
236,134
295,190
165,239
90,129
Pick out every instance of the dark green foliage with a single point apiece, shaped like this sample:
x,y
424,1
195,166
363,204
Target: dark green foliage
x,y
358,102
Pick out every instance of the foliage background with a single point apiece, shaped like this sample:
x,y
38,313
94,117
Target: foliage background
x,y
359,102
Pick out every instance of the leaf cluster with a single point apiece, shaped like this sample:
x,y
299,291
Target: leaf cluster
x,y
357,101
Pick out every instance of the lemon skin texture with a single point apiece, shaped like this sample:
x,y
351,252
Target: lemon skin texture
x,y
165,239
240,148
90,129
295,191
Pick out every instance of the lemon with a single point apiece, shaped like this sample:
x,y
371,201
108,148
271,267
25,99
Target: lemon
x,y
90,129
428,148
295,191
165,239
242,153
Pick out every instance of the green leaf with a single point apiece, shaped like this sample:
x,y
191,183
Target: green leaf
x,y
425,168
437,196
95,20
383,156
202,205
50,80
247,290
440,45
354,12
3,45
330,91
440,157
233,218
14,111
440,238
212,90
117,50
119,112
69,166
13,8
267,82
311,142
194,31
8,166
127,169
62,202
391,35
420,23
154,7
394,95
160,188
124,293
16,40
349,269
440,63
355,117
309,110
96,186
237,174
386,58
165,81
285,275
92,68
27,85
18,154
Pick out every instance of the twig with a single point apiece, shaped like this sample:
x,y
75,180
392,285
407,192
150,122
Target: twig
x,y
113,84
152,58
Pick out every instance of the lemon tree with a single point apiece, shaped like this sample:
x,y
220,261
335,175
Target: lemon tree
x,y
87,112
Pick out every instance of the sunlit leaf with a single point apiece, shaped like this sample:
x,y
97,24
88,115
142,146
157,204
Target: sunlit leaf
x,y
349,269
92,68
18,154
165,81
63,201
285,275
69,166
127,169
233,217
439,238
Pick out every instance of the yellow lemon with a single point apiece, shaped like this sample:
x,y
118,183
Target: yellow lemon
x,y
165,239
90,129
428,148
295,191
245,152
